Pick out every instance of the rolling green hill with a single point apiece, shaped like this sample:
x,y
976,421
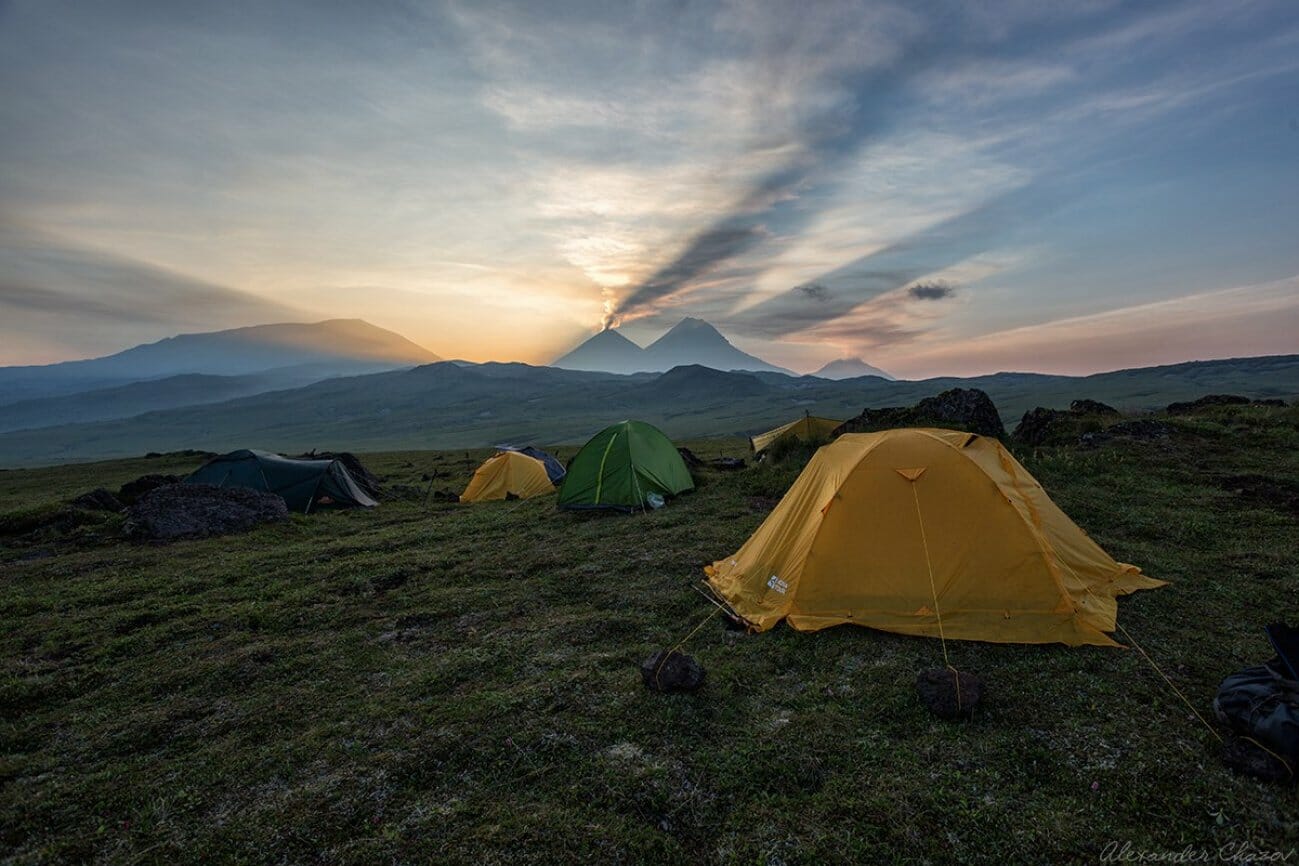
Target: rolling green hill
x,y
450,405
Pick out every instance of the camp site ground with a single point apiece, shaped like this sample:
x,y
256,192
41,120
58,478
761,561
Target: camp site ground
x,y
448,683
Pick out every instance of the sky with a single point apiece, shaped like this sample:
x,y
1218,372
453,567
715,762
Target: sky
x,y
940,188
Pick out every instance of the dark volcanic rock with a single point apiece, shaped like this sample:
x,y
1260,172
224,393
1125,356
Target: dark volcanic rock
x,y
939,692
1214,400
98,499
133,490
959,409
1092,407
1042,426
1247,758
671,671
727,464
198,510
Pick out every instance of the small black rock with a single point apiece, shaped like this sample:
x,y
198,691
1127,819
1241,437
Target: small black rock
x,y
939,693
671,671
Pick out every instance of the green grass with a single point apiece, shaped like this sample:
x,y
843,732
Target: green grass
x,y
458,684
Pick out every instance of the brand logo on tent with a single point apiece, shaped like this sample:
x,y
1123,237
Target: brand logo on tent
x,y
777,584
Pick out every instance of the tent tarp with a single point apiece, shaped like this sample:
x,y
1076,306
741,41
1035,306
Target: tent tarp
x,y
303,484
554,469
900,529
509,473
805,429
621,467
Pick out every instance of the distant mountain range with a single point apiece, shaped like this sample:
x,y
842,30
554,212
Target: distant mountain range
x,y
199,368
689,342
462,405
850,368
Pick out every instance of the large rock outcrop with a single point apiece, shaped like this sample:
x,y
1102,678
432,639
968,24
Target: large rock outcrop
x,y
199,510
131,491
958,409
1042,426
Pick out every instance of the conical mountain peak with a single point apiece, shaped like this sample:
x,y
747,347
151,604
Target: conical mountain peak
x,y
689,341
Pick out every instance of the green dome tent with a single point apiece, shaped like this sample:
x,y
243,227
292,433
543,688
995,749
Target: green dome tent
x,y
622,467
303,484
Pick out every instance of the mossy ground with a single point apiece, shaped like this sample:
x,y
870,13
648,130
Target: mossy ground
x,y
457,684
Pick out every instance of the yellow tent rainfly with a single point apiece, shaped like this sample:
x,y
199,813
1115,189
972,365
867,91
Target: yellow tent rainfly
x,y
805,429
925,532
509,473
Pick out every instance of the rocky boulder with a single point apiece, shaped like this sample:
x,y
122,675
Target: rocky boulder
x,y
1042,426
958,409
198,510
133,490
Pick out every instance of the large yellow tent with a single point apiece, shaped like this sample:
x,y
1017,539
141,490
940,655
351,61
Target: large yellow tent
x,y
921,531
806,429
505,474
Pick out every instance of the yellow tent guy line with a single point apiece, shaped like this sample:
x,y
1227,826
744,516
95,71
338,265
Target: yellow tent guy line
x,y
1282,760
1128,635
933,587
1175,689
682,643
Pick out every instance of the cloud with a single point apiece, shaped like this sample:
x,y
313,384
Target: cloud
x,y
891,268
781,173
1197,326
931,291
820,69
814,291
86,301
846,99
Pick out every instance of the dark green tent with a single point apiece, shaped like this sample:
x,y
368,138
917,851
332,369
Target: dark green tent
x,y
304,484
624,467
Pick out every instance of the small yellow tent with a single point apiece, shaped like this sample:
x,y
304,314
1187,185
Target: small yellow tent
x,y
917,531
508,473
806,429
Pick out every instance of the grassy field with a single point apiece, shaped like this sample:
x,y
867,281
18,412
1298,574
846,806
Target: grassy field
x,y
458,684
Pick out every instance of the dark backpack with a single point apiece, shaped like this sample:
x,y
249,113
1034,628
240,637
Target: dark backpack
x,y
1262,703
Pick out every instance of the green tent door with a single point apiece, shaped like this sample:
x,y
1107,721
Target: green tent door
x,y
622,467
